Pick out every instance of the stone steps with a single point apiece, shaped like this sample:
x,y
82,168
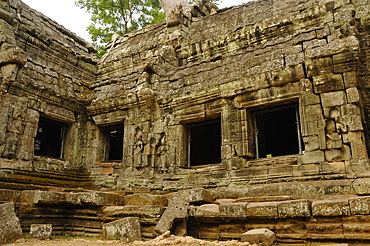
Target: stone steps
x,y
343,217
330,219
65,179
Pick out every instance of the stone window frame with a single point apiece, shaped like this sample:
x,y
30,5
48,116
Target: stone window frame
x,y
188,143
246,147
63,135
195,113
106,145
275,108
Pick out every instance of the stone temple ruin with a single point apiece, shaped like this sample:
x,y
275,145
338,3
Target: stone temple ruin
x,y
213,123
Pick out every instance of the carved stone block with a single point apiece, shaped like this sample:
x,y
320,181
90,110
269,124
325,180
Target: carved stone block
x,y
41,231
234,210
126,229
359,205
362,186
267,210
294,208
336,207
196,196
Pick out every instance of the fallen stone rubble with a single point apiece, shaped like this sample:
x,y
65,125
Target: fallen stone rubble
x,y
168,239
164,239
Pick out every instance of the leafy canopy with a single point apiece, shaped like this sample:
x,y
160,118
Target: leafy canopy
x,y
119,16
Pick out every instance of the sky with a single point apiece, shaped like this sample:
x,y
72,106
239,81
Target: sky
x,y
66,13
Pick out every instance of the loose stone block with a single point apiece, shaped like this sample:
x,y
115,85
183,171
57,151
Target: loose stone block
x,y
94,198
41,231
294,208
43,197
234,210
10,228
196,196
262,237
10,195
336,207
266,210
126,230
208,211
177,210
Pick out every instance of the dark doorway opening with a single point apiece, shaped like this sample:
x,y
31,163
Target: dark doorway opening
x,y
50,138
204,142
113,150
278,131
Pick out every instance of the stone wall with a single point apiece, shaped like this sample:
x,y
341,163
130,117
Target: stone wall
x,y
362,23
46,71
230,65
246,69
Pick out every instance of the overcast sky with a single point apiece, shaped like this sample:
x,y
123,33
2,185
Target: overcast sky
x,y
66,13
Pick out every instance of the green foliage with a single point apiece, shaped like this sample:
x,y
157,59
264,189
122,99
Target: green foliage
x,y
119,16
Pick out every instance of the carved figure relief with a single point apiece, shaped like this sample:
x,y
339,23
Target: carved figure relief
x,y
335,129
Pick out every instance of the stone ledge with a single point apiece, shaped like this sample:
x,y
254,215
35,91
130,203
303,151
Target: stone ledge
x,y
302,208
92,198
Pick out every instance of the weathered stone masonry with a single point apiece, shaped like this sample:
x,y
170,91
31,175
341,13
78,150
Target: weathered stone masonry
x,y
229,66
278,88
45,71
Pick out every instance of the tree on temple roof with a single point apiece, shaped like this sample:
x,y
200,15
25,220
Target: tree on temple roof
x,y
120,16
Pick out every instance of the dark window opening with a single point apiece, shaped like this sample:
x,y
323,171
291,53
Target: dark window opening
x,y
278,132
204,143
113,150
50,138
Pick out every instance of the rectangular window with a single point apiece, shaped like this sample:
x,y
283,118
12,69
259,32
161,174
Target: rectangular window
x,y
204,142
113,148
50,138
278,131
